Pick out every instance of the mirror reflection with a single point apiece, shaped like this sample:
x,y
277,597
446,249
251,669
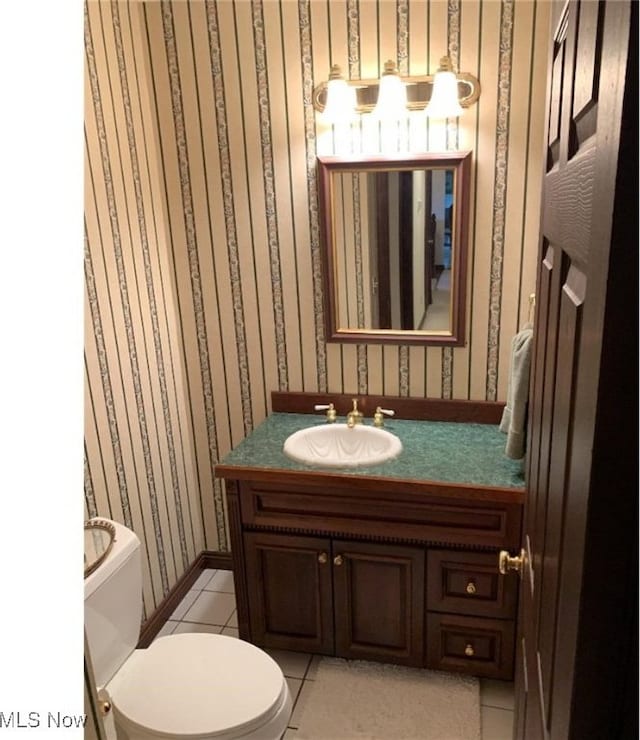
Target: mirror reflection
x,y
395,247
402,266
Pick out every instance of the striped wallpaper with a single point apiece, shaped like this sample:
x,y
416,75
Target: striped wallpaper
x,y
203,270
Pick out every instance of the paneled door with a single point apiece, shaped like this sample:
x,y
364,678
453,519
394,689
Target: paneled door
x,y
290,591
379,601
577,651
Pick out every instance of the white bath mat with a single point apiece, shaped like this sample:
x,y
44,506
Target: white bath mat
x,y
375,701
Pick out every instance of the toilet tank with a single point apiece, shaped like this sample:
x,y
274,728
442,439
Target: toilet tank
x,y
113,605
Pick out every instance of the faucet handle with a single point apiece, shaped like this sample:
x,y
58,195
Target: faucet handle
x,y
329,408
378,417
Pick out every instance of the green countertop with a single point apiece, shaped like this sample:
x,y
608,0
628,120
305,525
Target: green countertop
x,y
432,451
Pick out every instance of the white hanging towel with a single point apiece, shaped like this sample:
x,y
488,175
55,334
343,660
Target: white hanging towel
x,y
514,416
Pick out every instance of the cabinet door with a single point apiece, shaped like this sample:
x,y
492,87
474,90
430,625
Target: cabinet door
x,y
379,602
289,589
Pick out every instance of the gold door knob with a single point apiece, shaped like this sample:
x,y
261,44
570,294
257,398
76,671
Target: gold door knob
x,y
469,651
507,563
471,587
338,560
322,558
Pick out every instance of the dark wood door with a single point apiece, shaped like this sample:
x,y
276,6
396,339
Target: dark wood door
x,y
383,265
405,250
379,602
289,590
577,654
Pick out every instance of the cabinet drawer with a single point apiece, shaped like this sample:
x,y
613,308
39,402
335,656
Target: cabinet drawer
x,y
470,583
482,647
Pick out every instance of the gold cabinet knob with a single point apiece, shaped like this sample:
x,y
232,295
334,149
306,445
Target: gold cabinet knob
x,y
105,708
507,563
322,558
468,650
471,587
338,560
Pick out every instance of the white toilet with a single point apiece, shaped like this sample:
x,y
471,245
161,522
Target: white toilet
x,y
191,685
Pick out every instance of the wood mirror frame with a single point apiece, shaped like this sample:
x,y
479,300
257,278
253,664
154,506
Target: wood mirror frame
x,y
333,220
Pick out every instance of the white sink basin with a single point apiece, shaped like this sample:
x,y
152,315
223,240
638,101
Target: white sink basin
x,y
340,446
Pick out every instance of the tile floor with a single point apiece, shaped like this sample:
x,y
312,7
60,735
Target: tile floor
x,y
210,606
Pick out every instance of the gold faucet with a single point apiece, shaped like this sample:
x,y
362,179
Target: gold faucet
x,y
354,416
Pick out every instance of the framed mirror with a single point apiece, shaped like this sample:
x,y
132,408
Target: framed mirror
x,y
394,233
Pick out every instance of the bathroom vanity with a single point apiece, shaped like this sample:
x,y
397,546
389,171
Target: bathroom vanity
x,y
395,562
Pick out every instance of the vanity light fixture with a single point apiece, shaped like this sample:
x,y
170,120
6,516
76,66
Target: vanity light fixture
x,y
340,104
444,101
392,95
367,96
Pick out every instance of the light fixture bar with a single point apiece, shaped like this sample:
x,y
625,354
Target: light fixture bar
x,y
418,91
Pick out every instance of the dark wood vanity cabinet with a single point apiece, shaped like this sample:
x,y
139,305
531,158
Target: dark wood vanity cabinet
x,y
391,571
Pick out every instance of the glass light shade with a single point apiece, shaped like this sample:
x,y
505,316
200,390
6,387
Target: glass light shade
x,y
340,105
392,95
444,101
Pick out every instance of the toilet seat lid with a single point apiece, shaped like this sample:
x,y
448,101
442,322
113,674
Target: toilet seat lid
x,y
196,684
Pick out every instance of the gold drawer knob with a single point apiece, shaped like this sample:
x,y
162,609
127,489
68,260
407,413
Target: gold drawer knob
x,y
471,587
469,651
338,560
322,558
